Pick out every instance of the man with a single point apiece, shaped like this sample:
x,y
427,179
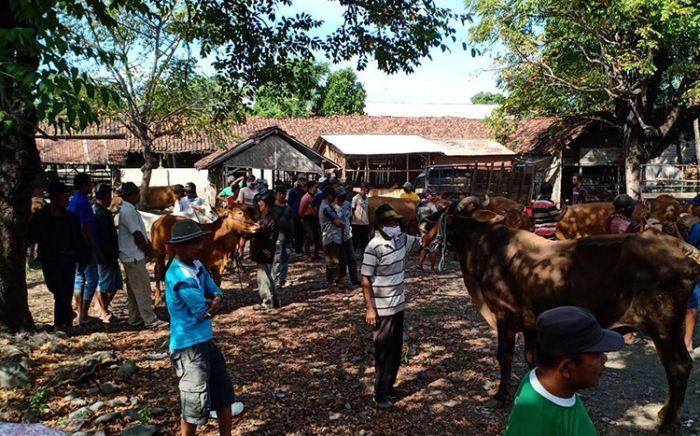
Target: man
x,y
382,271
61,250
323,183
332,237
261,185
360,218
283,214
545,214
110,276
424,210
343,210
191,202
691,313
85,279
408,193
579,193
179,192
309,217
571,349
193,300
294,200
621,221
134,248
247,193
262,252
229,191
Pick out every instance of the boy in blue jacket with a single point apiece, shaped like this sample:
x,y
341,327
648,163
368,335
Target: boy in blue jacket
x,y
193,299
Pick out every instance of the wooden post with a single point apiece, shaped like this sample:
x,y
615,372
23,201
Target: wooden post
x,y
488,182
407,172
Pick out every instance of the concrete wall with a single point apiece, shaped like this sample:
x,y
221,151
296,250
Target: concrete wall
x,y
172,176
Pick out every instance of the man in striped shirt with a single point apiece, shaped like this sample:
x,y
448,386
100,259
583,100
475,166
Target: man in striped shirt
x,y
382,272
545,213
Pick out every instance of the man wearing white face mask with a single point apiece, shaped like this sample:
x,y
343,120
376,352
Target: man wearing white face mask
x,y
383,268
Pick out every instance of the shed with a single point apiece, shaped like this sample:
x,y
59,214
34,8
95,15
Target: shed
x,y
466,151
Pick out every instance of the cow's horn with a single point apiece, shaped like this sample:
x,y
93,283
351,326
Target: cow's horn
x,y
486,201
468,203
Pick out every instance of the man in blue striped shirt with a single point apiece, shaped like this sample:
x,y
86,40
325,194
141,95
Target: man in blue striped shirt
x,y
193,299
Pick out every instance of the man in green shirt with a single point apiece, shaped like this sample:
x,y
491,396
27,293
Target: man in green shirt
x,y
230,191
571,349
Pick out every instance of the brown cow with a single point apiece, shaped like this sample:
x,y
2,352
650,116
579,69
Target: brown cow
x,y
405,208
515,214
159,198
638,281
239,220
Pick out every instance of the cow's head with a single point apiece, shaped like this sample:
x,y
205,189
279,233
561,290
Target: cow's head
x,y
459,215
242,219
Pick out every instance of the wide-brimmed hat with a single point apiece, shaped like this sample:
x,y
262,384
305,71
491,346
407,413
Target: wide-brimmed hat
x,y
568,330
386,213
184,231
127,188
102,190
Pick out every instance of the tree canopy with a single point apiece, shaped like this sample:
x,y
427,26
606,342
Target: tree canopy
x,y
343,94
485,97
632,64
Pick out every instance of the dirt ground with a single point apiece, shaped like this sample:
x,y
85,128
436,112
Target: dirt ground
x,y
308,369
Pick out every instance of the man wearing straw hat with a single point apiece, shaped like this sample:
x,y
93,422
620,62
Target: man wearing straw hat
x,y
193,300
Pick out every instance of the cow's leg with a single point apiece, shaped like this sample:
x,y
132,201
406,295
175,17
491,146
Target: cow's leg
x,y
677,363
506,348
530,348
158,274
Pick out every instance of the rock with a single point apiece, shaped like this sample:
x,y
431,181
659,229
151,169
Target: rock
x,y
72,395
126,369
131,413
108,417
118,402
13,375
134,400
280,395
156,411
157,356
405,339
93,391
141,430
356,359
348,406
56,348
81,414
325,430
362,433
78,402
451,403
99,433
108,388
81,433
16,354
97,406
335,416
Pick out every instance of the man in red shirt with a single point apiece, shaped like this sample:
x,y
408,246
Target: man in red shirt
x,y
309,216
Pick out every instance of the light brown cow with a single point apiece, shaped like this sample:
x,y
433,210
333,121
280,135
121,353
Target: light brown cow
x,y
638,281
239,220
159,198
405,208
515,214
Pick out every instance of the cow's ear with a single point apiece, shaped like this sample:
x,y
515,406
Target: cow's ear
x,y
486,216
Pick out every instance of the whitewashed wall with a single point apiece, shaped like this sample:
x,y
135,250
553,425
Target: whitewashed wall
x,y
172,176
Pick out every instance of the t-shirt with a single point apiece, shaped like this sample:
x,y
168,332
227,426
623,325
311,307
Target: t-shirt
x,y
226,192
545,216
284,220
130,221
305,208
384,262
186,290
694,235
360,210
537,412
424,209
186,203
579,195
246,195
80,205
409,196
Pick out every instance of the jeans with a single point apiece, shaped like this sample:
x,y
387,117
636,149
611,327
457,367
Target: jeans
x,y
280,265
266,286
86,281
298,230
349,252
59,277
311,235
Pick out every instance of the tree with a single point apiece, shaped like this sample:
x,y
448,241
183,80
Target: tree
x,y
343,94
632,64
154,74
250,40
485,97
300,97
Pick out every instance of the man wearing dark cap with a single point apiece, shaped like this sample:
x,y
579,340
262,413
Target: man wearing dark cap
x,y
191,202
61,248
262,252
383,268
193,300
110,276
622,221
571,349
691,313
134,250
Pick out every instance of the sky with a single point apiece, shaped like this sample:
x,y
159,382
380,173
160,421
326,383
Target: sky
x,y
449,78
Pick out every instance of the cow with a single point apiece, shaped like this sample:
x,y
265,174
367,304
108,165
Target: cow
x,y
405,208
159,198
638,281
515,214
238,221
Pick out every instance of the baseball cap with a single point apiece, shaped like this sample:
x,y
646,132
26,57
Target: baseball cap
x,y
386,213
623,201
102,190
407,185
230,179
567,330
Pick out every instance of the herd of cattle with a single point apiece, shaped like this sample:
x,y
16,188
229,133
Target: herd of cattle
x,y
638,281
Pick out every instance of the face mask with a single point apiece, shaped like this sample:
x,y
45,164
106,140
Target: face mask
x,y
391,231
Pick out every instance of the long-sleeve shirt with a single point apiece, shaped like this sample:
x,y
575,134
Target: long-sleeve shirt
x,y
262,246
330,233
294,198
305,208
545,216
187,289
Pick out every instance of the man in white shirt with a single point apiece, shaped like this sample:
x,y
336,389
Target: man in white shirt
x,y
191,202
360,218
248,193
134,248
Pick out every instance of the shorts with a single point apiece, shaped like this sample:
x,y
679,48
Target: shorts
x,y
85,282
435,244
110,278
204,381
694,299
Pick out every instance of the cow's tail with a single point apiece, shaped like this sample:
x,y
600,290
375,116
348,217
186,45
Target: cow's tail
x,y
477,297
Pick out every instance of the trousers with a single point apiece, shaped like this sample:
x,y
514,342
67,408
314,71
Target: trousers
x,y
388,345
59,275
266,286
138,292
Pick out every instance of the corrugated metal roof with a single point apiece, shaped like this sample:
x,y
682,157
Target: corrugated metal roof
x,y
473,147
382,144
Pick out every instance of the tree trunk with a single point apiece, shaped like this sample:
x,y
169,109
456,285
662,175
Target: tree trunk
x,y
146,169
19,163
